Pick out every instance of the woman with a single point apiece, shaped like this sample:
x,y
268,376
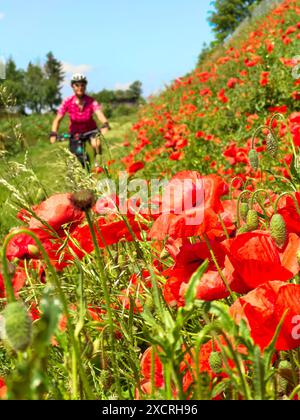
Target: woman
x,y
81,109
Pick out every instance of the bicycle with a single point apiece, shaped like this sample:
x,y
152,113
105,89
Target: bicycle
x,y
78,145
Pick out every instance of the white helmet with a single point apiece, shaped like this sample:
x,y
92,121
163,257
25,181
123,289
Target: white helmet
x,y
78,78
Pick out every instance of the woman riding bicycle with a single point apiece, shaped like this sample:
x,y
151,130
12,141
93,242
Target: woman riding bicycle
x,y
81,109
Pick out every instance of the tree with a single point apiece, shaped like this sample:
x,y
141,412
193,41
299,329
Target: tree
x,y
104,96
54,77
135,89
36,88
228,14
14,83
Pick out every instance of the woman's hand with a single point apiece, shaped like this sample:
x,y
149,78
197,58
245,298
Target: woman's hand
x,y
55,128
101,117
53,139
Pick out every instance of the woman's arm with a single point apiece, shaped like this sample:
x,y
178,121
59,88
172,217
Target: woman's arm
x,y
55,127
102,118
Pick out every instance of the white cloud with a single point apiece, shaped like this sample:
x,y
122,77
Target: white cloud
x,y
2,15
79,68
122,86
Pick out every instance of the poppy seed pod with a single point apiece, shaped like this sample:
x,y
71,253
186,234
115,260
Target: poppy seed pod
x,y
252,220
278,230
272,145
244,211
83,200
215,362
18,326
253,158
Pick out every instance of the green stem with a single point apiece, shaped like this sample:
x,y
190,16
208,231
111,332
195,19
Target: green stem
x,y
288,130
168,381
234,353
231,185
9,289
106,297
218,267
261,190
292,197
224,227
256,132
74,376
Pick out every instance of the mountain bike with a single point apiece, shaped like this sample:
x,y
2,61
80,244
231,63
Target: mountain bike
x,y
77,145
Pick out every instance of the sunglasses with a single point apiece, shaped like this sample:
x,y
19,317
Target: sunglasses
x,y
79,85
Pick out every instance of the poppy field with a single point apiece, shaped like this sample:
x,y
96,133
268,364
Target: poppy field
x,y
171,272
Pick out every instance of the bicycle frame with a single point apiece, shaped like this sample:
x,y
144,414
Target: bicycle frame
x,y
78,143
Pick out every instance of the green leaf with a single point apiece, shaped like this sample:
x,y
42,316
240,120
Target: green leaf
x,y
191,291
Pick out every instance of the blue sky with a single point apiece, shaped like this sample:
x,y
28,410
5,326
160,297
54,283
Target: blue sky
x,y
114,42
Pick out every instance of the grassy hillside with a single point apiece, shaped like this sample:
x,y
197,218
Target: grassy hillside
x,y
205,120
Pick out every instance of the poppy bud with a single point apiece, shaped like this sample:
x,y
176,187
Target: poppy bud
x,y
244,211
215,362
272,145
278,230
40,195
252,220
17,326
253,158
33,250
83,200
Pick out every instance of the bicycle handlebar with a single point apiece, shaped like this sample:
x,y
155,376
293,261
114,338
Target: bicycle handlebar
x,y
79,136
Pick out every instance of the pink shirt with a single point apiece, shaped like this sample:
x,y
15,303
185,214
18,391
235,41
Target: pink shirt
x,y
81,121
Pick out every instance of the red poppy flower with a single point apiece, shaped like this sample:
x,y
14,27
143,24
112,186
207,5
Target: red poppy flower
x,y
288,211
253,62
146,368
176,155
222,97
264,78
232,82
195,200
189,259
256,260
288,255
203,364
56,211
18,281
265,307
107,233
21,247
135,167
236,154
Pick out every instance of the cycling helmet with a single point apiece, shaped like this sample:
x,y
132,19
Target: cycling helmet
x,y
78,78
